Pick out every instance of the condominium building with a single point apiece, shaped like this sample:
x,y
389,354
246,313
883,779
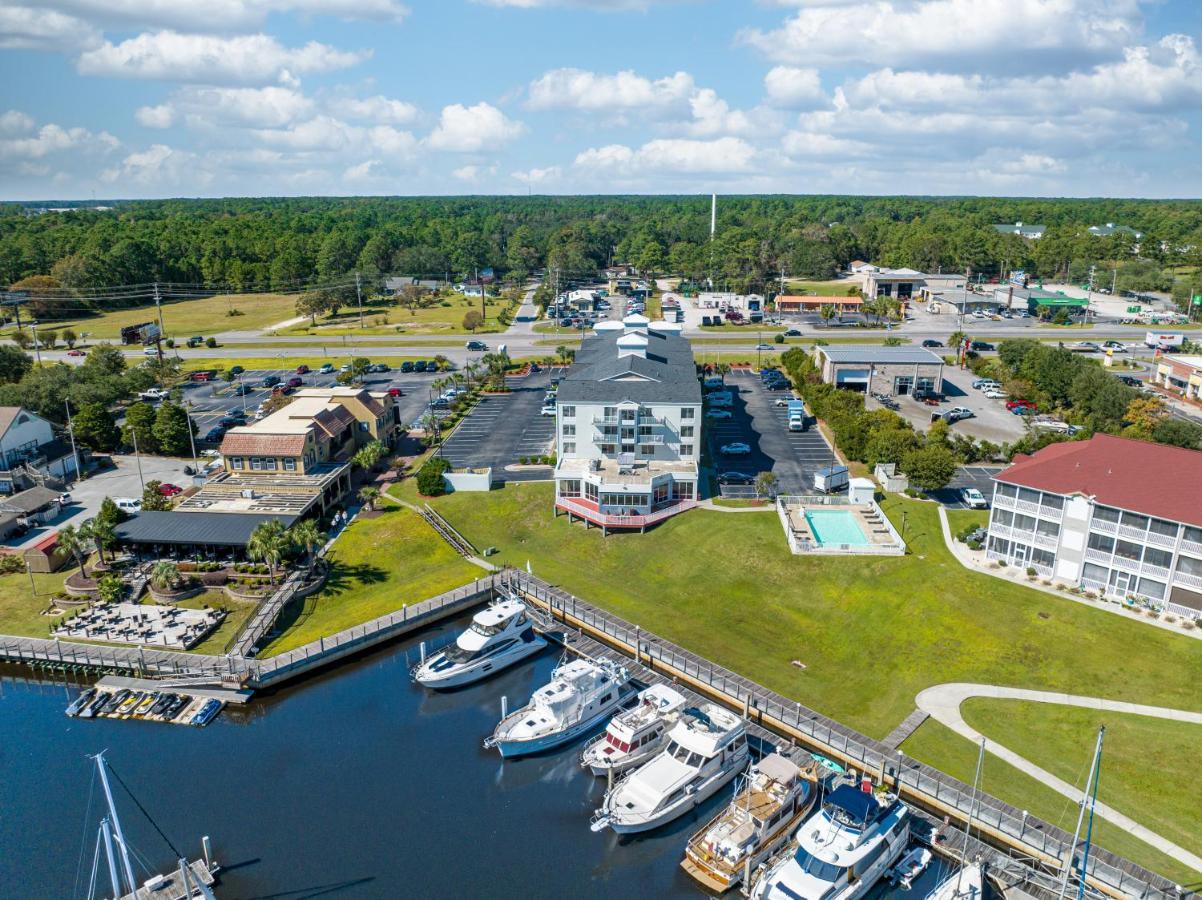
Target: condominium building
x,y
628,425
1112,515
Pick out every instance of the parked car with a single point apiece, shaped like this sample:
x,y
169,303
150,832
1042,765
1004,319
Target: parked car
x,y
230,421
167,489
931,342
738,448
153,395
717,414
973,499
241,390
547,410
1116,346
983,383
783,401
995,393
326,369
406,367
283,389
203,376
236,370
75,352
1130,381
420,365
302,369
956,413
926,395
736,478
395,392
1013,405
295,382
271,381
215,434
477,346
380,367
980,347
128,504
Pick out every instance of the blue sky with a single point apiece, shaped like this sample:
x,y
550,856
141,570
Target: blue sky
x,y
152,98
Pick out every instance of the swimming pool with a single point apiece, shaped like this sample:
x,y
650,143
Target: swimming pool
x,y
836,526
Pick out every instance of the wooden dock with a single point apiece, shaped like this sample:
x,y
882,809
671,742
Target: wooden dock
x,y
172,886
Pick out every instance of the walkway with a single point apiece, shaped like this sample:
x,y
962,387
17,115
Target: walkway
x,y
942,703
526,316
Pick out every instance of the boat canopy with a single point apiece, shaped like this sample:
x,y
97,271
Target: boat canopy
x,y
778,768
854,807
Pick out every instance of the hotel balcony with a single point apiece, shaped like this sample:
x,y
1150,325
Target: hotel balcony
x,y
589,511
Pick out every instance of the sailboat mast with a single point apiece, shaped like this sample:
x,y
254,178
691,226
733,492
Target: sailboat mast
x,y
106,837
1068,863
101,765
972,808
1093,803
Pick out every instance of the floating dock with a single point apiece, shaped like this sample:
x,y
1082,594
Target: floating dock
x,y
172,887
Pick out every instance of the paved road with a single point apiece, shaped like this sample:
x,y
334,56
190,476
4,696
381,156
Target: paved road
x,y
980,477
942,703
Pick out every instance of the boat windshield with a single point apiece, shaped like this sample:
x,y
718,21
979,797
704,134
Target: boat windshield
x,y
816,868
684,755
458,655
489,630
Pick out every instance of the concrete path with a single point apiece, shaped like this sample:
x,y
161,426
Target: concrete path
x,y
526,316
942,703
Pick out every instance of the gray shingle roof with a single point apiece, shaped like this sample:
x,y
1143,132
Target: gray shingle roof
x,y
666,375
212,528
874,353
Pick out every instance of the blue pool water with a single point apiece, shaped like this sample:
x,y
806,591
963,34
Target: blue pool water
x,y
835,526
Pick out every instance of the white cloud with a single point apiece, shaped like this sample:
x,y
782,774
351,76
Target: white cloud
x,y
215,15
532,177
724,155
597,5
626,90
713,116
51,139
15,122
377,109
469,129
28,28
789,87
813,144
326,134
367,170
159,167
265,107
473,174
243,59
161,116
979,34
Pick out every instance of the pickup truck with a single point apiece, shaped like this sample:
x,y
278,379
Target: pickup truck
x,y
154,394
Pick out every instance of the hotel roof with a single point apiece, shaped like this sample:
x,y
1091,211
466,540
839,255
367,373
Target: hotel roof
x,y
665,375
1139,476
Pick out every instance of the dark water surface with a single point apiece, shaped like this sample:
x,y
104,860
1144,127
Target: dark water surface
x,y
355,783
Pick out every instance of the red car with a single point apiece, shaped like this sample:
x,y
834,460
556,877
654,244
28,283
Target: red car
x,y
395,392
295,382
203,376
1012,405
75,353
284,389
302,369
170,490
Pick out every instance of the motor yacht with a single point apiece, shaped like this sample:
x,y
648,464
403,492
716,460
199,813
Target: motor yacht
x,y
582,693
769,802
634,736
841,851
498,637
966,883
706,749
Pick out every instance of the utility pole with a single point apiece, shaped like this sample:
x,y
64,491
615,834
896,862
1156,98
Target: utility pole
x,y
138,459
483,306
1089,293
359,296
158,305
37,349
192,437
71,432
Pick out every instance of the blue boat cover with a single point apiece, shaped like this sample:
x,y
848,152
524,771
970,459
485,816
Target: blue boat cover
x,y
857,806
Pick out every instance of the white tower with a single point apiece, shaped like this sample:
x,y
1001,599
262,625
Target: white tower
x,y
713,215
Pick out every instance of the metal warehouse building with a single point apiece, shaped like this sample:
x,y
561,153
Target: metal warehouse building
x,y
885,370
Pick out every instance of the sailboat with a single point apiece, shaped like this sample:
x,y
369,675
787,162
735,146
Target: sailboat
x,y
968,881
192,880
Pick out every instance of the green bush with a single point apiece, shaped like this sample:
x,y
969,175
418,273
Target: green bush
x,y
10,564
429,478
210,342
779,339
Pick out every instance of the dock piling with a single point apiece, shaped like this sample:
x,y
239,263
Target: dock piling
x,y
423,651
504,702
206,847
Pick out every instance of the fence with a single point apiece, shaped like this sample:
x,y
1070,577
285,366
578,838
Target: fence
x,y
136,660
917,782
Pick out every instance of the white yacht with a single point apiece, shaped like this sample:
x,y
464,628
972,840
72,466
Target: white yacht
x,y
634,736
706,749
841,851
767,806
498,637
966,883
581,694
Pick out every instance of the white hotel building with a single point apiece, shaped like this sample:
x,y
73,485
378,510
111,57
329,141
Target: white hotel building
x,y
628,426
1116,516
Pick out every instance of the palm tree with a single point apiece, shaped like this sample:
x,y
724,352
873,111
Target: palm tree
x,y
103,535
309,537
369,495
470,371
74,541
561,353
164,575
268,543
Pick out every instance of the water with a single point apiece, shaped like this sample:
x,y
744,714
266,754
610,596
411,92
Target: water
x,y
835,526
355,783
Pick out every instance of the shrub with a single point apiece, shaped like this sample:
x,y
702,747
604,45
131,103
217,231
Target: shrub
x,y
1031,573
10,564
170,342
429,478
524,460
234,312
779,339
210,342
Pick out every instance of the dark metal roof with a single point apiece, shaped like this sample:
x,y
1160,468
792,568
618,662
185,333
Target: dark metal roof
x,y
216,529
875,353
665,375
32,500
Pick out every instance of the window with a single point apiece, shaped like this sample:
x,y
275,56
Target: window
x,y
686,431
1043,557
1128,550
609,449
1046,528
1002,517
1193,534
1106,514
1053,501
1188,566
1094,572
364,426
1024,523
644,431
569,431
686,450
1029,495
688,412
998,545
1006,490
1133,520
1162,527
1101,542
1150,588
567,412
590,491
236,462
683,490
569,488
646,449
289,464
1154,556
569,447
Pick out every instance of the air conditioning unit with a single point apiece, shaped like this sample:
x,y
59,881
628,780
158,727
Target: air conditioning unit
x,y
248,494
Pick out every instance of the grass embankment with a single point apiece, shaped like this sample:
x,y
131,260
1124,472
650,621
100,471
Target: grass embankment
x,y
941,747
379,564
959,519
872,632
184,318
837,288
222,640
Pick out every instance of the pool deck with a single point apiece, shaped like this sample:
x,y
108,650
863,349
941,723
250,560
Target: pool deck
x,y
880,538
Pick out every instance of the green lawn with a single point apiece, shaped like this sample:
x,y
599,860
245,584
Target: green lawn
x,y
941,747
378,565
959,519
21,611
872,632
823,288
184,318
445,317
288,359
221,640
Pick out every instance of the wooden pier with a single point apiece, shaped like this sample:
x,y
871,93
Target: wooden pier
x,y
172,886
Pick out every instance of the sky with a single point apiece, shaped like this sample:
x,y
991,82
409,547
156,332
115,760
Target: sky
x,y
187,98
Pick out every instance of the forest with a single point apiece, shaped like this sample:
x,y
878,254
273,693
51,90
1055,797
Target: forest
x,y
287,244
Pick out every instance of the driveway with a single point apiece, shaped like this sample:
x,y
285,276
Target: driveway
x,y
992,421
980,477
503,428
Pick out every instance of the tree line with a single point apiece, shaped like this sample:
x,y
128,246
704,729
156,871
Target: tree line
x,y
293,243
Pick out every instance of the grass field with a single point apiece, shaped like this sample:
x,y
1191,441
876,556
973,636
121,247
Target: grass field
x,y
823,288
445,317
959,519
288,360
184,318
941,747
872,632
378,565
221,640
21,611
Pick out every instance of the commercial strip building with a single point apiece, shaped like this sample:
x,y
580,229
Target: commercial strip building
x,y
1180,374
1112,515
788,304
628,426
875,369
1035,301
901,284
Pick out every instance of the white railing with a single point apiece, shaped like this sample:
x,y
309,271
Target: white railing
x,y
1131,565
1184,611
1090,584
1104,527
1046,571
1048,542
1188,580
1003,501
1136,534
1192,547
1162,540
1026,506
1001,531
1158,571
1098,556
1050,512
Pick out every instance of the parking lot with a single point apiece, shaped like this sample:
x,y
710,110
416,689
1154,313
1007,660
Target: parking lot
x,y
991,420
503,428
979,477
755,420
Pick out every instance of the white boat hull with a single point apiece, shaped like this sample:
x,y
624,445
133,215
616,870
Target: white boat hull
x,y
511,749
602,767
460,676
765,890
685,804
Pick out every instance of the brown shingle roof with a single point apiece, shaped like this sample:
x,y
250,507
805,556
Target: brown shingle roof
x,y
247,443
1134,475
370,403
7,414
335,420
